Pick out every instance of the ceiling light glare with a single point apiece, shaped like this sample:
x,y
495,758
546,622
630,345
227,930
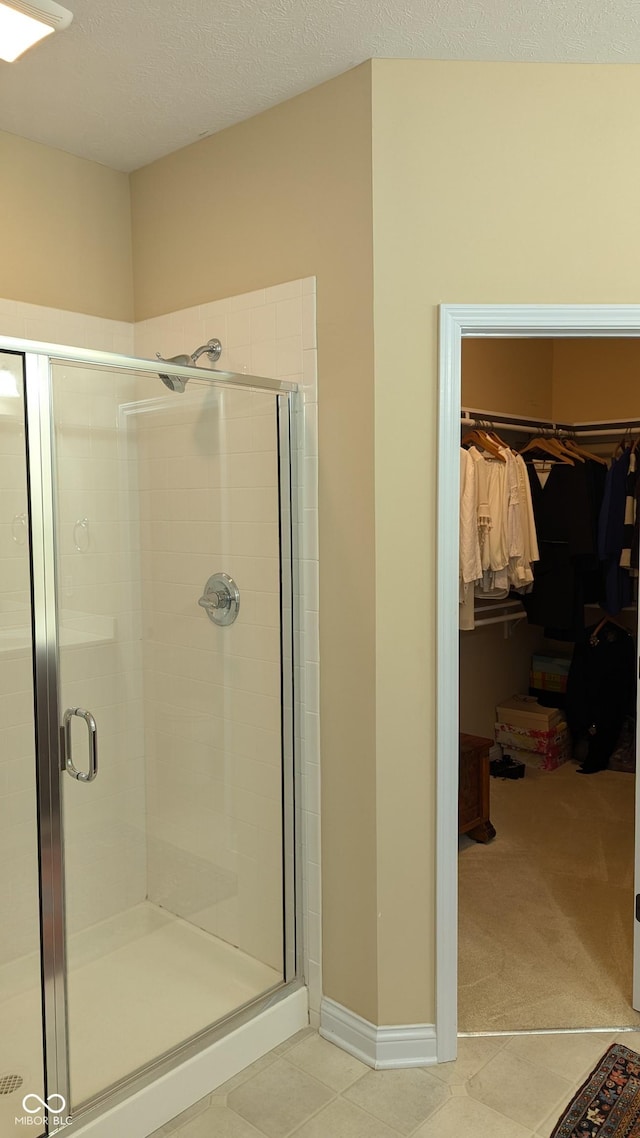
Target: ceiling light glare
x,y
22,25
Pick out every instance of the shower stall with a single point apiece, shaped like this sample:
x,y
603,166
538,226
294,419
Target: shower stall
x,y
147,771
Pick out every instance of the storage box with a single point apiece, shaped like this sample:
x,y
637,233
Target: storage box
x,y
549,673
525,711
553,743
549,761
525,728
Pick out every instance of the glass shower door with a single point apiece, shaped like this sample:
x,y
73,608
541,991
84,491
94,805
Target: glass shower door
x,y
175,833
22,1089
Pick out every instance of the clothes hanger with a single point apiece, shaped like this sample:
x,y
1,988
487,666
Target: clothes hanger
x,y
481,439
562,441
547,445
562,449
492,434
608,620
573,452
587,455
623,444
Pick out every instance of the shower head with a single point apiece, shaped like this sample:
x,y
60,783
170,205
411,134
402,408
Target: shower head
x,y
175,382
213,349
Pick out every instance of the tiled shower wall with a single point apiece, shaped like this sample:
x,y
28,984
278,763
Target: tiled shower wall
x,y
209,503
271,332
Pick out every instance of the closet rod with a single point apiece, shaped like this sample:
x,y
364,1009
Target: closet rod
x,y
472,415
520,427
597,428
504,417
612,432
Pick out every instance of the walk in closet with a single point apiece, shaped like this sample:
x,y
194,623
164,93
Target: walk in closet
x,y
548,667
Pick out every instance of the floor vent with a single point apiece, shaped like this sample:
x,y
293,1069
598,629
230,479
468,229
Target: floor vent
x,y
10,1083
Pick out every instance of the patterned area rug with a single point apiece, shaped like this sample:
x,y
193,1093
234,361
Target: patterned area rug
x,y
608,1105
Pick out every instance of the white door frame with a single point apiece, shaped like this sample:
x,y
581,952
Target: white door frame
x,y
456,321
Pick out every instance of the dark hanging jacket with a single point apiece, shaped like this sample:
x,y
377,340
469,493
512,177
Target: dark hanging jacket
x,y
565,514
611,536
601,692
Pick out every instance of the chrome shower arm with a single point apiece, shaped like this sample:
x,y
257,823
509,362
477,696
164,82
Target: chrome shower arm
x,y
212,348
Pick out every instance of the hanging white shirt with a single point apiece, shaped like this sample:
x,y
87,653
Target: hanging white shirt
x,y
470,567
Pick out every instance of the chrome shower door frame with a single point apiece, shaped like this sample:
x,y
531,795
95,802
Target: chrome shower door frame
x,y
290,627
40,464
40,453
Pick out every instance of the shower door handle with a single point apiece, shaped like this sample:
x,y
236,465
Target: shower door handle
x,y
81,776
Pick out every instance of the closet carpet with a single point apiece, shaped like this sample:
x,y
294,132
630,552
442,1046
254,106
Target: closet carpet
x,y
546,909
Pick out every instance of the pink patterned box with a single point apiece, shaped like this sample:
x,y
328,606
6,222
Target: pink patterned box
x,y
546,749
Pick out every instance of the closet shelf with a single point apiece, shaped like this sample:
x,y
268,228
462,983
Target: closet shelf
x,y
507,610
596,605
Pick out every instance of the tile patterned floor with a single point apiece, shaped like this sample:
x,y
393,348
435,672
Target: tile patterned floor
x,y
499,1087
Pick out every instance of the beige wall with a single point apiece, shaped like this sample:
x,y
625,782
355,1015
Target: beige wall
x,y
492,669
596,379
511,376
571,380
66,236
493,183
286,195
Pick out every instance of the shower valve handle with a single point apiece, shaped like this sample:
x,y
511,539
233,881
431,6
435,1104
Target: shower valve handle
x,y
220,599
215,600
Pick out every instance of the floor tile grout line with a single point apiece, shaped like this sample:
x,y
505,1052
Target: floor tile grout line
x,y
403,1133
556,1105
532,1063
510,1117
316,1077
287,1133
549,1070
334,1095
258,1133
431,1116
493,1109
301,1071
316,1113
482,1066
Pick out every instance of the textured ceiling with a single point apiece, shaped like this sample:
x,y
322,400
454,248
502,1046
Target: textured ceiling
x,y
132,80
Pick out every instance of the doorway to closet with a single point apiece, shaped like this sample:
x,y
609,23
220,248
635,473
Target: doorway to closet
x,y
546,908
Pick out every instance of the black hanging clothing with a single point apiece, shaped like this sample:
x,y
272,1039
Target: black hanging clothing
x,y
566,504
629,512
601,693
592,569
611,536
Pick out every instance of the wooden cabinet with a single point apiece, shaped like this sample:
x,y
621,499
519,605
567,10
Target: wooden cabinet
x,y
474,788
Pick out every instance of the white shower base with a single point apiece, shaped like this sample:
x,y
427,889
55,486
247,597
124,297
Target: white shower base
x,y
139,983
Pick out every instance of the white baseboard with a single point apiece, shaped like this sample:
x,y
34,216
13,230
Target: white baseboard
x,y
144,1112
397,1045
